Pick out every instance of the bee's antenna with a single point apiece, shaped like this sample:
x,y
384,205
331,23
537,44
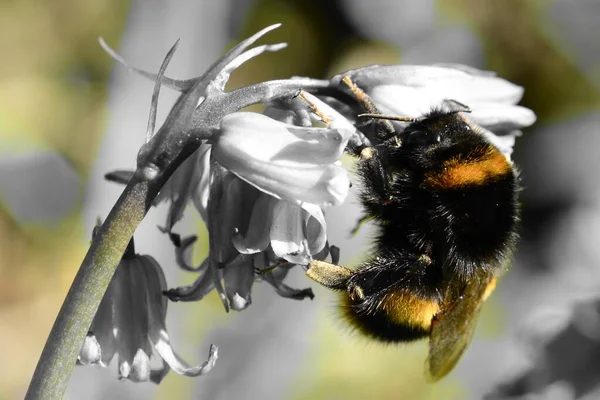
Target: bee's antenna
x,y
389,117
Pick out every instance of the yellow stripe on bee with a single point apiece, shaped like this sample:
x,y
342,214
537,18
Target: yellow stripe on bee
x,y
403,307
489,289
457,172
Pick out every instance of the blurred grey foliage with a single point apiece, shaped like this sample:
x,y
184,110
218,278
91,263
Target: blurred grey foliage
x,y
572,22
415,28
38,187
553,308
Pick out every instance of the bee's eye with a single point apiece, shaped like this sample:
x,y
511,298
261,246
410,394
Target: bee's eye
x,y
422,138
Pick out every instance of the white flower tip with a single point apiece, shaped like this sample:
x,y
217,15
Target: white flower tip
x,y
527,117
213,356
124,369
90,352
239,303
140,369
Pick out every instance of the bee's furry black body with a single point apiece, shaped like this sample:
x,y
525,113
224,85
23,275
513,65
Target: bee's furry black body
x,y
431,236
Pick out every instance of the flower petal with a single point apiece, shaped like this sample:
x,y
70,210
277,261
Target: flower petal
x,y
202,286
157,375
183,253
180,186
217,277
102,325
323,185
291,117
257,237
202,189
140,368
296,163
90,352
413,91
405,100
501,117
165,350
131,313
448,82
155,285
256,136
238,285
229,207
275,279
287,232
316,228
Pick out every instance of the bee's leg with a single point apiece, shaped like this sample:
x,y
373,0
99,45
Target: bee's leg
x,y
377,181
383,128
329,275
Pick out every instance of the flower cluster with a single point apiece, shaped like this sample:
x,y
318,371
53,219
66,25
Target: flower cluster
x,y
262,184
261,188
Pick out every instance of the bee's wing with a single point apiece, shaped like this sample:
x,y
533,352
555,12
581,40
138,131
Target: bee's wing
x,y
453,328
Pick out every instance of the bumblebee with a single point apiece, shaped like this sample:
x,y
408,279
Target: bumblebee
x,y
444,202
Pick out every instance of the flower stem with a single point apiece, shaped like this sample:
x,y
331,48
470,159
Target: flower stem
x,y
58,358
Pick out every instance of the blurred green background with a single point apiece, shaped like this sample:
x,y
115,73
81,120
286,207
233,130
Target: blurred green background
x,y
54,88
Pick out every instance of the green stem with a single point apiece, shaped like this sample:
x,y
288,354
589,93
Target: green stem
x,y
58,358
157,160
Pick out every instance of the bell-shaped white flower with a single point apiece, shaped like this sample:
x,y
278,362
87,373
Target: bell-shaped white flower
x,y
297,164
414,90
253,235
130,322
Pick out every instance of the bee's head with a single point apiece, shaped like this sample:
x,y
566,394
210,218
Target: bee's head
x,y
428,142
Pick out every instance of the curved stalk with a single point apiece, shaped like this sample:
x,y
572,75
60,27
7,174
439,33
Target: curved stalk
x,y
194,117
58,358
